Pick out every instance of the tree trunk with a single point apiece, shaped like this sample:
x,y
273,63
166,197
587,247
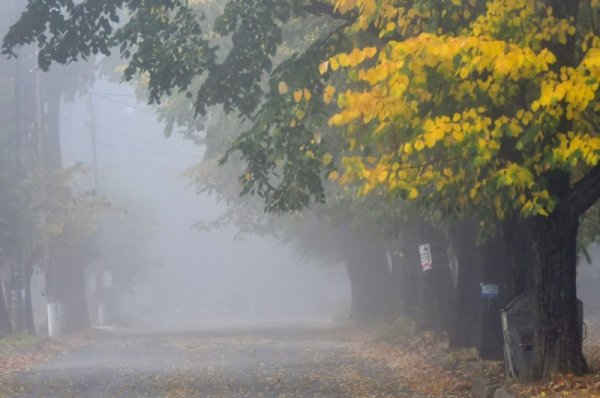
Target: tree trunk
x,y
436,288
360,305
519,237
369,275
52,156
463,332
494,270
29,322
558,339
412,274
369,280
73,296
398,283
17,302
4,315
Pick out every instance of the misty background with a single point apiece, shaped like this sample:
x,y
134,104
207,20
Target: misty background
x,y
193,278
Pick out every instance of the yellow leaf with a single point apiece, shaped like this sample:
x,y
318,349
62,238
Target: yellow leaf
x,y
324,67
413,194
344,60
370,52
327,159
473,193
297,95
334,175
307,94
328,94
333,63
419,145
382,176
282,87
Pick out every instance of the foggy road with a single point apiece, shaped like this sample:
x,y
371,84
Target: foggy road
x,y
252,363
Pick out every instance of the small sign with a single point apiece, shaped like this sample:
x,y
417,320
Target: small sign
x,y
426,260
489,291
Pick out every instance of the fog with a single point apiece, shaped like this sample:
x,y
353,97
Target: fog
x,y
195,278
299,198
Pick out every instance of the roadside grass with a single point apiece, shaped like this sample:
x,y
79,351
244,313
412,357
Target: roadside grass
x,y
14,343
21,351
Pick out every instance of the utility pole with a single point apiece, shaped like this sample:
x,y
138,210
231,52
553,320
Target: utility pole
x,y
100,291
93,139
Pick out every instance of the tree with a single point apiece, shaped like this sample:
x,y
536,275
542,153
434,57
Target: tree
x,y
498,110
470,106
168,43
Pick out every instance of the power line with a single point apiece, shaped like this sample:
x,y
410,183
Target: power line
x,y
125,104
113,94
113,130
80,76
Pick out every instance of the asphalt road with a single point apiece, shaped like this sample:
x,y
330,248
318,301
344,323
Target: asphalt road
x,y
252,363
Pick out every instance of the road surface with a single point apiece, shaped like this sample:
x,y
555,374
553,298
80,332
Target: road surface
x,y
252,363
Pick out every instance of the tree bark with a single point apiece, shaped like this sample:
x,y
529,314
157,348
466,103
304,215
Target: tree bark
x,y
370,277
557,336
495,268
369,280
411,275
436,289
463,331
519,236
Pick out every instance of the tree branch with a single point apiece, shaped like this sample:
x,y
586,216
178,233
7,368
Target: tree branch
x,y
320,8
585,192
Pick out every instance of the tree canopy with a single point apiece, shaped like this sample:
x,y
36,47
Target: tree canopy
x,y
467,106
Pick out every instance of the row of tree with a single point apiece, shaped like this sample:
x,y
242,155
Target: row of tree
x,y
467,123
49,223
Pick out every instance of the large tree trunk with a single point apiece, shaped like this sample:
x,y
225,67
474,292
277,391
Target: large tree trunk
x,y
370,277
407,271
411,275
519,236
558,340
397,283
370,283
463,332
435,285
495,269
